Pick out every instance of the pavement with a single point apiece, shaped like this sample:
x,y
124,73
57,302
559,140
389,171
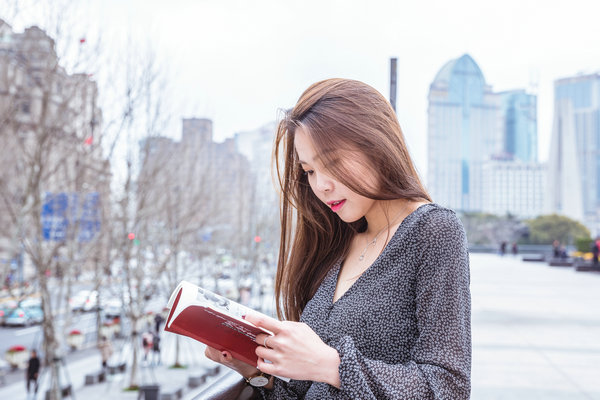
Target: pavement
x,y
536,330
536,335
150,372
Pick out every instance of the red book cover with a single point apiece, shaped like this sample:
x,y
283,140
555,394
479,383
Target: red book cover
x,y
213,320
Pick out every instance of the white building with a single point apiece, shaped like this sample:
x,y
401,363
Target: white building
x,y
513,187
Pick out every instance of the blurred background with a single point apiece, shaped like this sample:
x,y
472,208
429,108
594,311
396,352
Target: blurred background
x,y
136,153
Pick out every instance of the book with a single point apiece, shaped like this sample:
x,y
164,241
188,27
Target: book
x,y
213,320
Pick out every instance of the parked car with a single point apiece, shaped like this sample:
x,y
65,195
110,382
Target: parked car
x,y
27,313
84,300
112,308
5,309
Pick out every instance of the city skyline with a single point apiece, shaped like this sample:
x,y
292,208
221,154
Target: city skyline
x,y
238,63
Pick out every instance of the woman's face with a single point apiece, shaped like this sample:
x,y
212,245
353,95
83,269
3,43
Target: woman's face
x,y
348,205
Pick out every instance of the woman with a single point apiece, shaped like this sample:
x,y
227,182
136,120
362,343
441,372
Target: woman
x,y
373,278
106,350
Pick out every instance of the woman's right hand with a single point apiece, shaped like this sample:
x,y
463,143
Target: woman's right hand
x,y
224,357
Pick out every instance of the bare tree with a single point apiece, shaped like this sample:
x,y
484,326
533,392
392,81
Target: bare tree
x,y
140,116
48,117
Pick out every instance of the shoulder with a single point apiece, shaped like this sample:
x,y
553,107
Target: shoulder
x,y
434,224
432,216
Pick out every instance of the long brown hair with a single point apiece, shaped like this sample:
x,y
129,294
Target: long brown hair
x,y
342,118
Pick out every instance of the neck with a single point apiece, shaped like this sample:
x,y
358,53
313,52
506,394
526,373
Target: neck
x,y
387,215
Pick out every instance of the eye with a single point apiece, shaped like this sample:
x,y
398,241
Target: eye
x,y
308,172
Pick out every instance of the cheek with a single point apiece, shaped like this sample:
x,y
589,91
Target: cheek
x,y
312,183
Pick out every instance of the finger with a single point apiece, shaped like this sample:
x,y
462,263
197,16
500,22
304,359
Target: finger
x,y
218,356
263,321
211,353
266,353
261,338
226,356
266,367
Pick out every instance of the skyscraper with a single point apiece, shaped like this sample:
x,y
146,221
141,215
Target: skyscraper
x,y
519,110
574,162
482,150
464,130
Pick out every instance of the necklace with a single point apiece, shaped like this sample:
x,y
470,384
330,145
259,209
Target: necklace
x,y
374,241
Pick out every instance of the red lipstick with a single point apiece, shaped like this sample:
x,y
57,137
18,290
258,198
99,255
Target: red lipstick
x,y
336,205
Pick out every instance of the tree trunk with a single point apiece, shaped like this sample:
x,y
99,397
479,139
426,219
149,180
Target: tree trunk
x,y
133,379
177,363
51,351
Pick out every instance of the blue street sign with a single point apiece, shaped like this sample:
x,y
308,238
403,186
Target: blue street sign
x,y
61,211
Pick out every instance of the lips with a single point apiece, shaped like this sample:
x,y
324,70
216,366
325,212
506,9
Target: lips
x,y
336,205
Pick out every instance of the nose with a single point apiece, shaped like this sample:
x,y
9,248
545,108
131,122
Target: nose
x,y
324,183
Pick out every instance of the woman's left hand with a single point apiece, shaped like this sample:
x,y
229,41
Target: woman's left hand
x,y
295,351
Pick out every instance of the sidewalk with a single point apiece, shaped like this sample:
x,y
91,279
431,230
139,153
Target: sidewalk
x,y
536,330
191,355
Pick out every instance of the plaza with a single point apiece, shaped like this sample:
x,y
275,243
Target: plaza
x,y
536,330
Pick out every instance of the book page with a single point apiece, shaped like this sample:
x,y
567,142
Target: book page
x,y
222,304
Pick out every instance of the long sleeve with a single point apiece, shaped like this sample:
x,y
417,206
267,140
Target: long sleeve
x,y
285,390
440,362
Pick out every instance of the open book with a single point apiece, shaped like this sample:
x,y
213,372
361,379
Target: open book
x,y
213,320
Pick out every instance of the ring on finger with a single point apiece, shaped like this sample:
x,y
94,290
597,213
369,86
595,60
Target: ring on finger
x,y
265,342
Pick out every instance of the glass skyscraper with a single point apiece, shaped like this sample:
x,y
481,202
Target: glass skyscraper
x,y
464,129
519,110
482,145
574,162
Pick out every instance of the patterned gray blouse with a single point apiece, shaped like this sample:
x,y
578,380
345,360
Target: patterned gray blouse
x,y
403,330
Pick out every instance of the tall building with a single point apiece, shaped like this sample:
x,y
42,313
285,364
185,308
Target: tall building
x,y
574,162
480,142
464,130
51,153
257,146
519,110
195,189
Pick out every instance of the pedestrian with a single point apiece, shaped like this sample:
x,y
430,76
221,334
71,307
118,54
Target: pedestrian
x,y
502,248
595,252
158,320
515,249
106,350
563,253
372,283
556,249
147,343
33,373
156,349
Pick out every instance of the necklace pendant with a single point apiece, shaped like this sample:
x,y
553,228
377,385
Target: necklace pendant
x,y
361,257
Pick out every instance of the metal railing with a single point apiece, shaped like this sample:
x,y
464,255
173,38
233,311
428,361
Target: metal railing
x,y
229,386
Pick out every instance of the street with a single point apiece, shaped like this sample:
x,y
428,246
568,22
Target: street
x,y
31,337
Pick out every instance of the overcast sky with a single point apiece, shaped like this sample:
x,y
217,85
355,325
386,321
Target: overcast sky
x,y
239,61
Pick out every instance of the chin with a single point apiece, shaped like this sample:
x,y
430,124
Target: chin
x,y
349,219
